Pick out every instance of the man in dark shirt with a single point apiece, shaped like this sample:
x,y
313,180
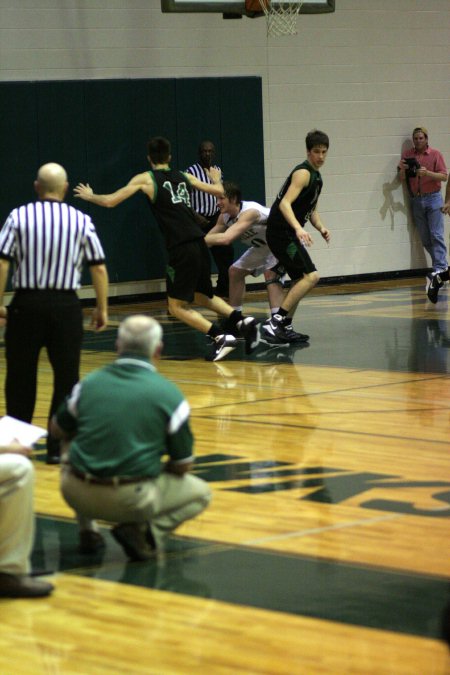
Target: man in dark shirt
x,y
296,203
206,207
188,271
47,241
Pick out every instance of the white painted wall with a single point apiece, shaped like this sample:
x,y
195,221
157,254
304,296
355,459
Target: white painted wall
x,y
366,74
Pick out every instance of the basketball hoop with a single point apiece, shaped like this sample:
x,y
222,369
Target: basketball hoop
x,y
281,17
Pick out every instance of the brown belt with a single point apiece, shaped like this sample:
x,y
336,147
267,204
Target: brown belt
x,y
425,194
113,480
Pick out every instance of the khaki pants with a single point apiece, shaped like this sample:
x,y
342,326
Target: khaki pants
x,y
165,502
16,513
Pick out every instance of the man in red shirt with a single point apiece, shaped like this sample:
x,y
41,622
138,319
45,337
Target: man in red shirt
x,y
424,186
438,280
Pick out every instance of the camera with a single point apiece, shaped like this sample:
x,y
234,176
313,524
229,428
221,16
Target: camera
x,y
413,166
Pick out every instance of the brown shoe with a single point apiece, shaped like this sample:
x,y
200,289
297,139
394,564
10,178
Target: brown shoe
x,y
90,542
23,586
135,540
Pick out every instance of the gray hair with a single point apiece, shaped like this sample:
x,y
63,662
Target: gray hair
x,y
139,334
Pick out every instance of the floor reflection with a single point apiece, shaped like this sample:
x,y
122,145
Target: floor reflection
x,y
396,329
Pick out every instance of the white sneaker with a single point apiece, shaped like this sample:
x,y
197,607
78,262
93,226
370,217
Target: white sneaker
x,y
248,329
222,346
433,288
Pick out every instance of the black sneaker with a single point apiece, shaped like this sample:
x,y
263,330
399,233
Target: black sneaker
x,y
248,329
52,458
222,346
274,333
53,451
293,335
278,333
433,289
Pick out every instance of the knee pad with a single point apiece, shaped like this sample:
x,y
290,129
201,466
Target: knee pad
x,y
275,280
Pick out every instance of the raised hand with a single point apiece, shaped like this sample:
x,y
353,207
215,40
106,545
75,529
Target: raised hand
x,y
214,174
83,191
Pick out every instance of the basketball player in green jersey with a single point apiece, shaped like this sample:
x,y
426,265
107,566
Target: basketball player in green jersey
x,y
188,271
295,204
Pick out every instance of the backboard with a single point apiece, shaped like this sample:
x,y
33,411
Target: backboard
x,y
237,7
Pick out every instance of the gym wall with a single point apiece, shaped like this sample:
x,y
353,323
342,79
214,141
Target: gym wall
x,y
98,130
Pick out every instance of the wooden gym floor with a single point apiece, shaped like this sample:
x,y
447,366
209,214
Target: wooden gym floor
x,y
326,547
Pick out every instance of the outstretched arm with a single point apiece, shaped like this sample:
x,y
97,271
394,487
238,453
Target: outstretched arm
x,y
223,237
216,188
140,182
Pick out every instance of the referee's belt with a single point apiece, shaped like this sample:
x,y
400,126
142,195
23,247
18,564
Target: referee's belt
x,y
112,481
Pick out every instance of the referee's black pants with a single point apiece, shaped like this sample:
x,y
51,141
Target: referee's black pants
x,y
36,319
223,256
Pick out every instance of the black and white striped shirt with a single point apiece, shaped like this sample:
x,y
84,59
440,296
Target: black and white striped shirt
x,y
48,241
202,202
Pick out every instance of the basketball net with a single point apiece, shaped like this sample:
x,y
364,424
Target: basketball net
x,y
281,17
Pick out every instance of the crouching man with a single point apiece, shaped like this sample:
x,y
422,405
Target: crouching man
x,y
118,424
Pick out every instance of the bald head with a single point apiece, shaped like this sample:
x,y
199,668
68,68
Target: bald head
x,y
51,181
139,334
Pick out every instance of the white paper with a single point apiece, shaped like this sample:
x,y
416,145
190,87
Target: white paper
x,y
16,430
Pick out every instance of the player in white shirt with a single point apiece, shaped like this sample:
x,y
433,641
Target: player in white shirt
x,y
246,221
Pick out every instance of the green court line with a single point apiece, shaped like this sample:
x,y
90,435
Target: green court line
x,y
295,584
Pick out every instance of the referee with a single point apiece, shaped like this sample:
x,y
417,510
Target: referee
x,y
205,205
48,241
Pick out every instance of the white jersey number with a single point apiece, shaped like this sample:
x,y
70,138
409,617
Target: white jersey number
x,y
182,194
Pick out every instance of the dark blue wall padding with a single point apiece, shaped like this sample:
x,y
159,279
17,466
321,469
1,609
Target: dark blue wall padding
x,y
98,130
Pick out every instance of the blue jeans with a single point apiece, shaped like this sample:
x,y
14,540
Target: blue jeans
x,y
429,220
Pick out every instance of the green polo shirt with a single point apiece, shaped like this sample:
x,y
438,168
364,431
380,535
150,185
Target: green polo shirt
x,y
126,417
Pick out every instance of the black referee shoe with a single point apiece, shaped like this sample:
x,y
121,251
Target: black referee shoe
x,y
53,451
